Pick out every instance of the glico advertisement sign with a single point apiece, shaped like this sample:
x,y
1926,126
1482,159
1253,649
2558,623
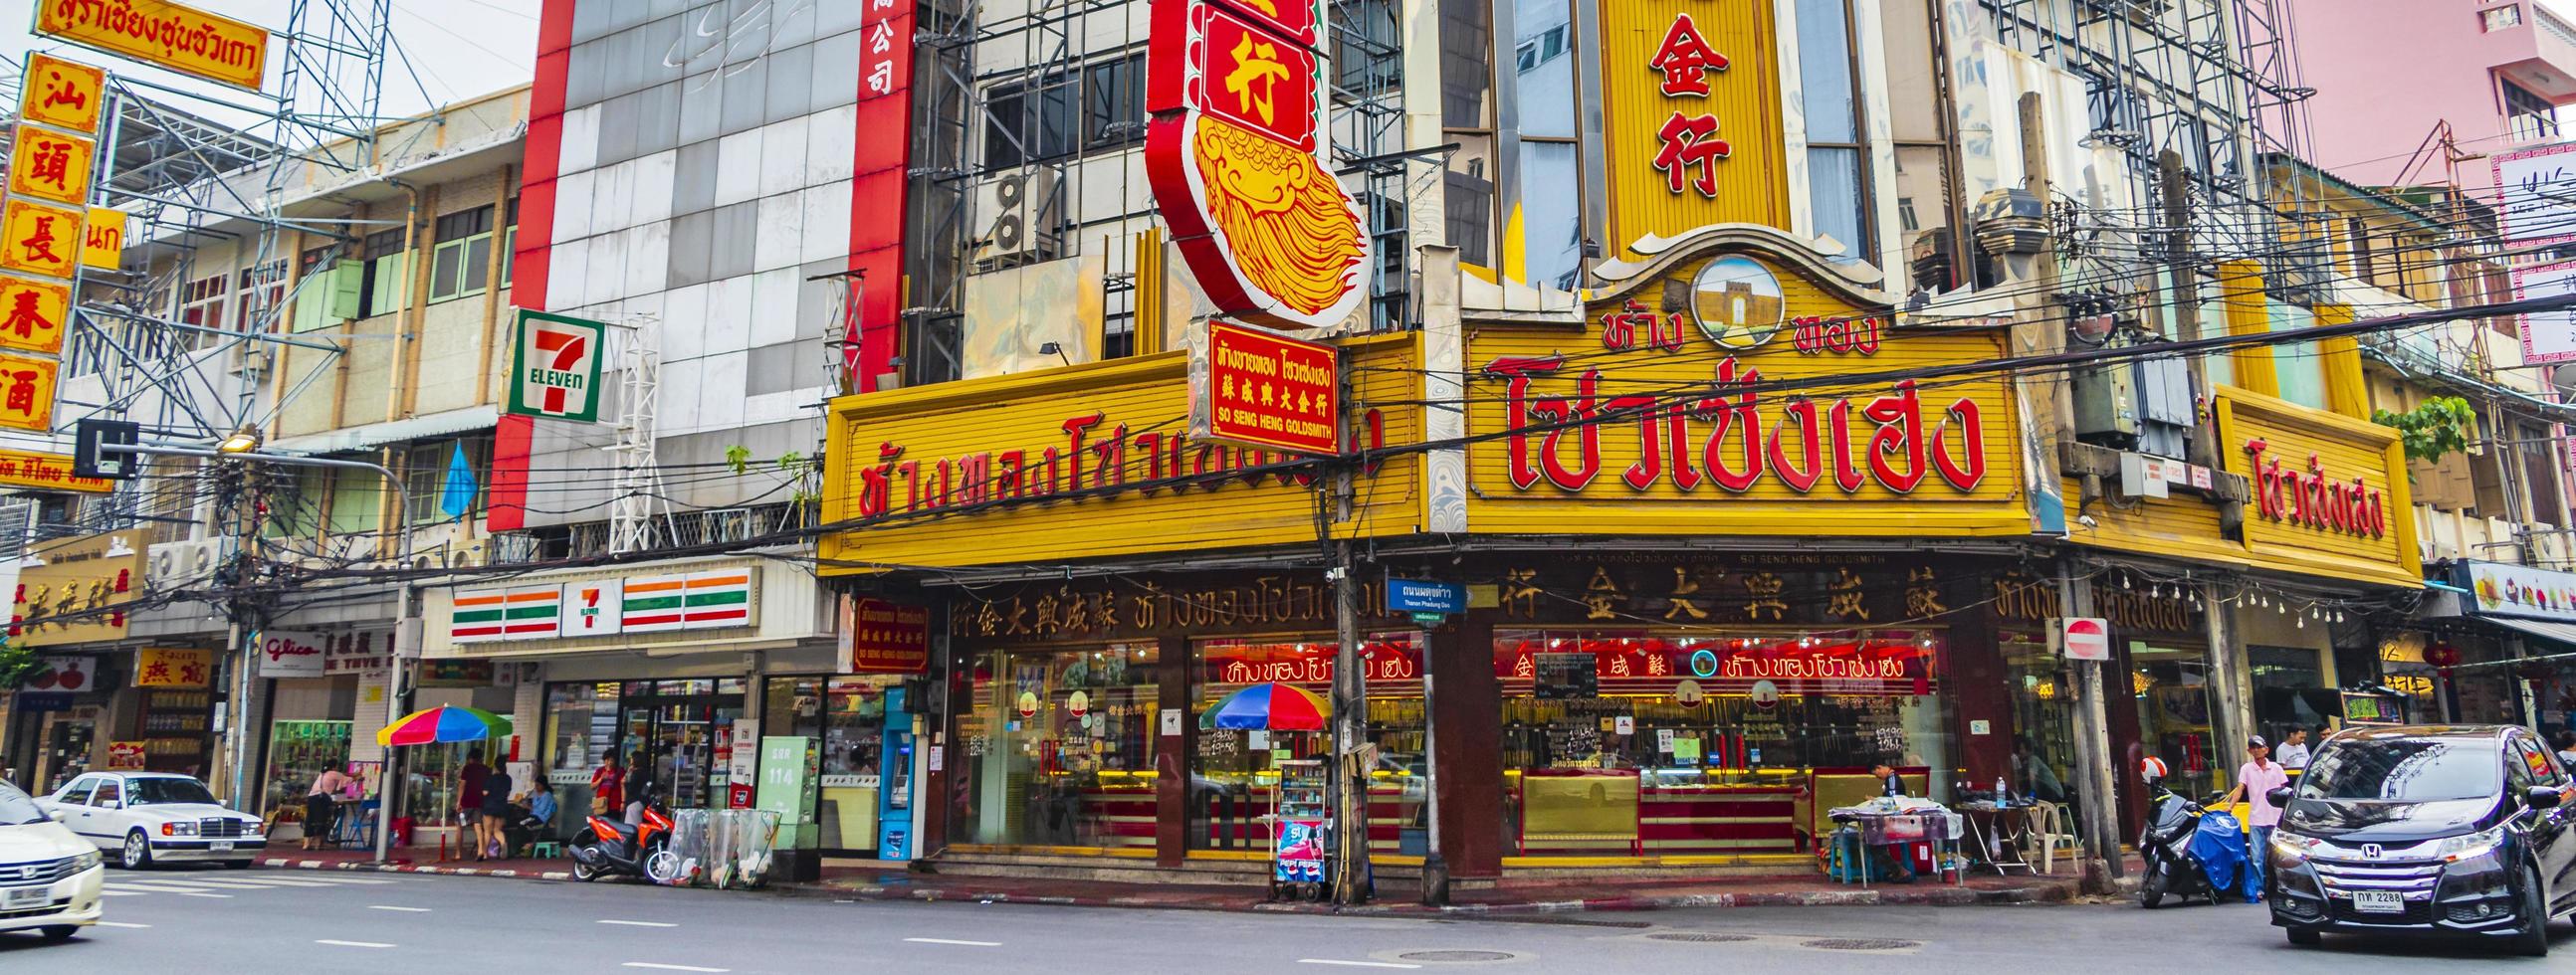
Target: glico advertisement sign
x,y
1236,155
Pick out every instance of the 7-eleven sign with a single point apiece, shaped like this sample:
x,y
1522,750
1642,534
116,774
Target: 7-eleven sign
x,y
556,372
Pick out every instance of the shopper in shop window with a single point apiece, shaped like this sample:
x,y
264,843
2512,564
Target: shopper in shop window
x,y
2293,753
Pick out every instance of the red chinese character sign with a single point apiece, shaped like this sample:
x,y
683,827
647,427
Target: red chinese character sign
x,y
1254,388
51,166
32,314
878,184
27,393
40,239
62,94
1691,111
1236,153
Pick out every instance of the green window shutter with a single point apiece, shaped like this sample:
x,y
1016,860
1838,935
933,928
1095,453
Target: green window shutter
x,y
347,278
310,302
393,284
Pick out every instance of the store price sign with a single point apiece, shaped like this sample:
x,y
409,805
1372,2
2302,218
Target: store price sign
x,y
1263,390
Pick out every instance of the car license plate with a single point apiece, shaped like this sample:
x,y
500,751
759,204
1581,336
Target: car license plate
x,y
24,897
2379,902
219,846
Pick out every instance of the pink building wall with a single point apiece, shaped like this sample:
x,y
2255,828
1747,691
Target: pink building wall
x,y
2387,72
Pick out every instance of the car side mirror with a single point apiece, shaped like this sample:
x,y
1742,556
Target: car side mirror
x,y
2543,797
2278,797
62,816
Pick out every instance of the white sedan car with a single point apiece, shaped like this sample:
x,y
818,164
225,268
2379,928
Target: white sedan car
x,y
49,879
153,817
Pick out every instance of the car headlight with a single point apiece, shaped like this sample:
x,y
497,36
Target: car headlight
x,y
250,827
84,861
2292,849
2456,848
178,829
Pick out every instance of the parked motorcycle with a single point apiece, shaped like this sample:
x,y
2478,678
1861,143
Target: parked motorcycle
x,y
608,846
2189,851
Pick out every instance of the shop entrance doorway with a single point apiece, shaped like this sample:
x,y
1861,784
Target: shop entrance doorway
x,y
673,729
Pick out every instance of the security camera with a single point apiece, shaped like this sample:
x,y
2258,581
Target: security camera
x,y
2086,521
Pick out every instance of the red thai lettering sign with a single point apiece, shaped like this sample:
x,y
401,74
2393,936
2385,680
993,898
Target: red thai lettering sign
x,y
879,637
878,185
2307,496
1236,154
1308,664
1254,388
1731,440
1891,664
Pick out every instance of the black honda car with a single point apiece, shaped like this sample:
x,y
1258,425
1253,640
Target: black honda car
x,y
2426,831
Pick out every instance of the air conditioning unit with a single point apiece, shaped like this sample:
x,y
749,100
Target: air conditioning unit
x,y
180,565
1017,216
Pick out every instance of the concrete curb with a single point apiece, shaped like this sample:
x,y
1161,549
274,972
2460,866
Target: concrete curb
x,y
1879,896
292,864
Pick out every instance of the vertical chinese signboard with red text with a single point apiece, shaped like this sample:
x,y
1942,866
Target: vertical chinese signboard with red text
x,y
1236,153
878,198
1690,96
1260,390
52,162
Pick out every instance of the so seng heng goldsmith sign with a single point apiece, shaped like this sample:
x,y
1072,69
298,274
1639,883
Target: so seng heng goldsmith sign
x,y
1261,390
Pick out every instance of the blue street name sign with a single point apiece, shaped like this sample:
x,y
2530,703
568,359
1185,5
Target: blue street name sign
x,y
1416,596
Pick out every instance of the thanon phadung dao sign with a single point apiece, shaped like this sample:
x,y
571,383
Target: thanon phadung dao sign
x,y
556,369
1418,596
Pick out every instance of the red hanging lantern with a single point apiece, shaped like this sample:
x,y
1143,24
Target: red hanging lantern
x,y
2442,655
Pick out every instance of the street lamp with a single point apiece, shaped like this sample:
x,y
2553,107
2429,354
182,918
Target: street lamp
x,y
242,441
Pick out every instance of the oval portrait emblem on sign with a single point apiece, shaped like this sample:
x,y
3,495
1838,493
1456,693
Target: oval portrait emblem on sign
x,y
1737,302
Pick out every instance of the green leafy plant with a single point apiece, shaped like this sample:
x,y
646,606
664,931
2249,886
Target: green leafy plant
x,y
2434,428
17,663
738,457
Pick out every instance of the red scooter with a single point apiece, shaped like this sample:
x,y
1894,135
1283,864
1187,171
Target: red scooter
x,y
608,847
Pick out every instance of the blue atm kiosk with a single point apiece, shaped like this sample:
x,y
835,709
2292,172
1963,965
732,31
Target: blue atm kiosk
x,y
894,778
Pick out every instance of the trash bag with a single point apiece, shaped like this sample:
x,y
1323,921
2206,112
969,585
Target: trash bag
x,y
2218,844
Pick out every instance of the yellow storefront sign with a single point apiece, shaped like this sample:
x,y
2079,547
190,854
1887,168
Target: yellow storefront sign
x,y
33,314
64,94
2330,492
47,472
1093,461
74,590
27,393
1690,95
49,165
162,667
103,243
175,36
1617,429
39,238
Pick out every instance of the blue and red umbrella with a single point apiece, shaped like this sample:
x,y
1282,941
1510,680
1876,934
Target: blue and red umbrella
x,y
1272,706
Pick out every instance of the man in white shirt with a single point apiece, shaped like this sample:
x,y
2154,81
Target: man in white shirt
x,y
2293,753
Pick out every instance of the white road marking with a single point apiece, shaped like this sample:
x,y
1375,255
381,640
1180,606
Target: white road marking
x,y
1355,964
121,924
390,907
947,941
644,924
352,944
121,893
324,878
673,968
200,893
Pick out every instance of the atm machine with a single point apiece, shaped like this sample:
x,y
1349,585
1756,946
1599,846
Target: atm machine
x,y
894,783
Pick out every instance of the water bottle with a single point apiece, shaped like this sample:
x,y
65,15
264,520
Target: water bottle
x,y
2003,797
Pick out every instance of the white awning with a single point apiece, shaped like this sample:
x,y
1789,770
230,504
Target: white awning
x,y
2559,633
390,432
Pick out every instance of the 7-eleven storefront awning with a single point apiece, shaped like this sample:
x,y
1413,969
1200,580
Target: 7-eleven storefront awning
x,y
718,603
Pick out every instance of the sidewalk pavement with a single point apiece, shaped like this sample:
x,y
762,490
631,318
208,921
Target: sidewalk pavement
x,y
1396,897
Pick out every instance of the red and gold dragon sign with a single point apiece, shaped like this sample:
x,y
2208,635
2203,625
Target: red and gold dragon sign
x,y
1236,153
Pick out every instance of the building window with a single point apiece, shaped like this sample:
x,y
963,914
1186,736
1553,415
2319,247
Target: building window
x,y
461,264
1467,118
1837,181
1550,208
510,242
201,303
385,287
425,469
261,289
2528,116
1059,748
1064,113
2494,19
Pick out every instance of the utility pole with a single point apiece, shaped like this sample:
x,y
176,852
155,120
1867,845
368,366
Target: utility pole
x,y
1352,878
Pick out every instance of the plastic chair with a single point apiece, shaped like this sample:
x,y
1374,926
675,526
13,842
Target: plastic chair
x,y
2041,833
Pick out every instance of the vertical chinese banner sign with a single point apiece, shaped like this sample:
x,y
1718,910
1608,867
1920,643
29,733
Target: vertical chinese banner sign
x,y
878,185
52,163
1691,113
1239,154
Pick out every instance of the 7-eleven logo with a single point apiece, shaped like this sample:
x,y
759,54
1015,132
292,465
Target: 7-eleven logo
x,y
558,366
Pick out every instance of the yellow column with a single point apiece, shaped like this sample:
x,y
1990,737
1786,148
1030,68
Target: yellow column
x,y
2346,392
2240,292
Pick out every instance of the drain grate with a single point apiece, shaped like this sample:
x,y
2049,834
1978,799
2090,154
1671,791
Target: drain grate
x,y
1860,944
1700,937
1457,956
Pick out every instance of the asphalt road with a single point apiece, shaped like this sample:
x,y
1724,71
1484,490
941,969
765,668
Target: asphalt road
x,y
268,920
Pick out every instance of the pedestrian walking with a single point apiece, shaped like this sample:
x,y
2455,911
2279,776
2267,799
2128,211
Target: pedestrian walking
x,y
608,787
470,781
322,807
493,827
2255,781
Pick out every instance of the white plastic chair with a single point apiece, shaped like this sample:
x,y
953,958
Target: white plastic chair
x,y
2046,818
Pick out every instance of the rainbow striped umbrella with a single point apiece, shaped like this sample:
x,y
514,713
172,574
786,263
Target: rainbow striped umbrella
x,y
441,724
1273,706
